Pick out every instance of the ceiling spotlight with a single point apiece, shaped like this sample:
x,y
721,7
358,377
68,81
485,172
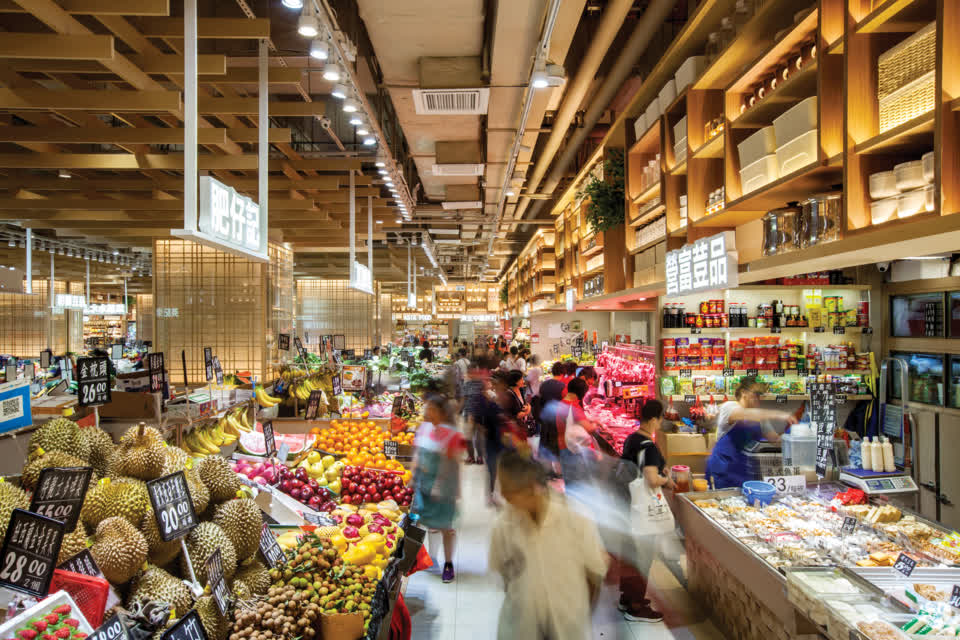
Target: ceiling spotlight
x,y
379,221
307,25
331,72
369,141
11,243
350,105
115,252
12,268
293,4
539,79
383,172
555,74
63,173
398,221
339,91
388,181
380,162
61,252
363,131
319,49
356,120
69,252
510,193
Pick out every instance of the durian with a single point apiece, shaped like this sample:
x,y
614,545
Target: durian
x,y
161,553
157,584
73,543
119,549
199,494
255,576
241,520
39,462
174,459
140,454
215,472
101,448
202,541
61,434
11,497
125,497
214,624
240,590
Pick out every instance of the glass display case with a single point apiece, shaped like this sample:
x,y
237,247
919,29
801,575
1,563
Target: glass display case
x,y
925,378
917,316
954,318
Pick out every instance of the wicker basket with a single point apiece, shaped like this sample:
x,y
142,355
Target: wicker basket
x,y
908,61
908,102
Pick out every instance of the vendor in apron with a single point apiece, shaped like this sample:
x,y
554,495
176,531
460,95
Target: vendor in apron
x,y
741,423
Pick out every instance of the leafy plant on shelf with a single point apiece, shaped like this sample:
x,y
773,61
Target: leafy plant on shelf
x,y
504,294
605,209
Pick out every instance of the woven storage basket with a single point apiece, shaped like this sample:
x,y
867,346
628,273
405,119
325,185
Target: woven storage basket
x,y
908,102
909,60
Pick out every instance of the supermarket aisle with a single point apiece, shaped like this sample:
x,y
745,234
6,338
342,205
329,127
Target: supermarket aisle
x,y
467,609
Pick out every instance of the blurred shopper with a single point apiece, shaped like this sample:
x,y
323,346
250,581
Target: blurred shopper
x,y
426,354
551,559
534,373
574,439
589,375
551,396
438,448
650,517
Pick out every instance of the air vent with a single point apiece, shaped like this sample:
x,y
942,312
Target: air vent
x,y
458,169
451,102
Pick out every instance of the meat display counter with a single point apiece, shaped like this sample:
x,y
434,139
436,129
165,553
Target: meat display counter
x,y
739,556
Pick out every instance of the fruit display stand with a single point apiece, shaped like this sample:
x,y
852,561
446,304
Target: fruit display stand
x,y
55,612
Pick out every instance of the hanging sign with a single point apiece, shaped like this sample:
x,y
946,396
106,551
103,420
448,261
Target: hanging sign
x,y
823,420
313,405
208,362
360,278
155,366
60,492
93,382
299,346
188,627
283,341
216,583
29,554
269,548
217,369
708,263
337,385
353,377
269,439
228,217
172,505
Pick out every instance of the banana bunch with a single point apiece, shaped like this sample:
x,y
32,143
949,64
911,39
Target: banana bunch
x,y
208,439
302,388
265,399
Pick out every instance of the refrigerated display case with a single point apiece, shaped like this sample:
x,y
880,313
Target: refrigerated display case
x,y
925,378
917,316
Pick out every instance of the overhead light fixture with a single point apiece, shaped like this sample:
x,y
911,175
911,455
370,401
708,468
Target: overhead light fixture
x,y
307,25
350,105
293,4
388,181
356,120
338,90
369,141
380,162
555,75
331,72
383,172
379,221
398,221
61,252
363,131
63,173
319,49
539,78
510,193
12,268
11,243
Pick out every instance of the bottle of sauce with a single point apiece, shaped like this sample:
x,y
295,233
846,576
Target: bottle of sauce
x,y
866,453
889,466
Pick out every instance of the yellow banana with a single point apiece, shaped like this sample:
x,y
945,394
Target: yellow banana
x,y
193,445
215,434
245,420
206,443
228,427
265,399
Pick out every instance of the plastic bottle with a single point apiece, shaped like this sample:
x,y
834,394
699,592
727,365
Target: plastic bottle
x,y
867,454
887,448
876,454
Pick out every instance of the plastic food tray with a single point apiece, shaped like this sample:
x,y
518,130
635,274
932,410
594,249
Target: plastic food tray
x,y
809,600
884,210
839,622
42,608
909,175
911,202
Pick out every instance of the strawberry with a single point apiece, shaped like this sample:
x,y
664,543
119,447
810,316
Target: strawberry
x,y
62,632
27,634
48,636
72,622
79,635
52,618
62,610
40,625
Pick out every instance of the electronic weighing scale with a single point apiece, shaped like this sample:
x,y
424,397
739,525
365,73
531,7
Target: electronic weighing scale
x,y
896,486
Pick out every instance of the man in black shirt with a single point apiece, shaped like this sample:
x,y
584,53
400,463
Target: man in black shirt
x,y
425,353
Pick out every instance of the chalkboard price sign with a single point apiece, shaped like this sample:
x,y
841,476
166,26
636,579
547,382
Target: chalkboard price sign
x,y
729,373
112,629
686,373
905,565
269,548
397,405
218,370
753,372
82,563
300,350
849,526
188,627
269,438
29,554
172,505
208,362
93,382
689,399
782,399
839,330
337,385
390,448
776,330
155,367
283,341
778,373
60,492
313,405
216,583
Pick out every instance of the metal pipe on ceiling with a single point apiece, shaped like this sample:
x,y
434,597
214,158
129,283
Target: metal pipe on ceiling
x,y
653,17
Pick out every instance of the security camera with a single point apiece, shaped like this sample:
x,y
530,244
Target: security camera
x,y
325,122
883,267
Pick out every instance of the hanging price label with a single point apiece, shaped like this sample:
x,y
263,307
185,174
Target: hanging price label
x,y
776,330
753,372
172,505
269,439
93,382
216,583
782,399
788,484
313,405
696,330
188,627
29,554
208,363
269,548
60,492
905,565
112,629
839,331
819,330
299,346
689,399
955,597
155,367
218,370
729,373
337,385
283,341
841,398
849,526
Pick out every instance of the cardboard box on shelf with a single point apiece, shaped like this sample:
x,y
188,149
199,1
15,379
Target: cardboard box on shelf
x,y
126,404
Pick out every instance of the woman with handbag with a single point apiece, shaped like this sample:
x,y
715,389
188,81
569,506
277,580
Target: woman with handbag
x,y
650,515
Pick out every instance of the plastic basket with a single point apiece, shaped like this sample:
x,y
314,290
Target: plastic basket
x,y
911,101
904,63
89,592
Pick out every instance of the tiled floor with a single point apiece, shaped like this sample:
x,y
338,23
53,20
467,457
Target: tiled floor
x,y
467,609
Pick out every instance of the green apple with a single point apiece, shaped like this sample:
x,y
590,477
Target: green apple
x,y
321,480
332,474
327,460
314,457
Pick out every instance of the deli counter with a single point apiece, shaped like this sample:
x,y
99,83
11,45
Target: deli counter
x,y
778,571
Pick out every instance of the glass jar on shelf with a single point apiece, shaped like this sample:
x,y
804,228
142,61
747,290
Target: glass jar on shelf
x,y
727,32
742,12
713,48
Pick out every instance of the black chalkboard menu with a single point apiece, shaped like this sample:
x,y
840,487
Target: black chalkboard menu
x,y
823,420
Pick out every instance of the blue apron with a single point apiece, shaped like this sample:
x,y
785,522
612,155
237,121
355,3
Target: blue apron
x,y
727,465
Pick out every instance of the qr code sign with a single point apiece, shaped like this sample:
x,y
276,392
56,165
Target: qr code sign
x,y
12,408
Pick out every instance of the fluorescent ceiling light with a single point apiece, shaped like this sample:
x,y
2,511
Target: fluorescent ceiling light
x,y
319,49
338,90
350,105
380,163
369,141
331,72
293,4
307,25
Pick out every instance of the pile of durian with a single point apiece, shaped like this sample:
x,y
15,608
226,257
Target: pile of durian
x,y
118,525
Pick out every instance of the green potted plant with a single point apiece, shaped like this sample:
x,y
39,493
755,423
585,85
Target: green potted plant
x,y
606,204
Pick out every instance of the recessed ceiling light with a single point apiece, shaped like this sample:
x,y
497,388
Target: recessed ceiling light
x,y
331,72
338,91
369,141
319,49
350,105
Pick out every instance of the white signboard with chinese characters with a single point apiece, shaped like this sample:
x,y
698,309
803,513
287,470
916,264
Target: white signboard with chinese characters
x,y
229,221
708,263
361,278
